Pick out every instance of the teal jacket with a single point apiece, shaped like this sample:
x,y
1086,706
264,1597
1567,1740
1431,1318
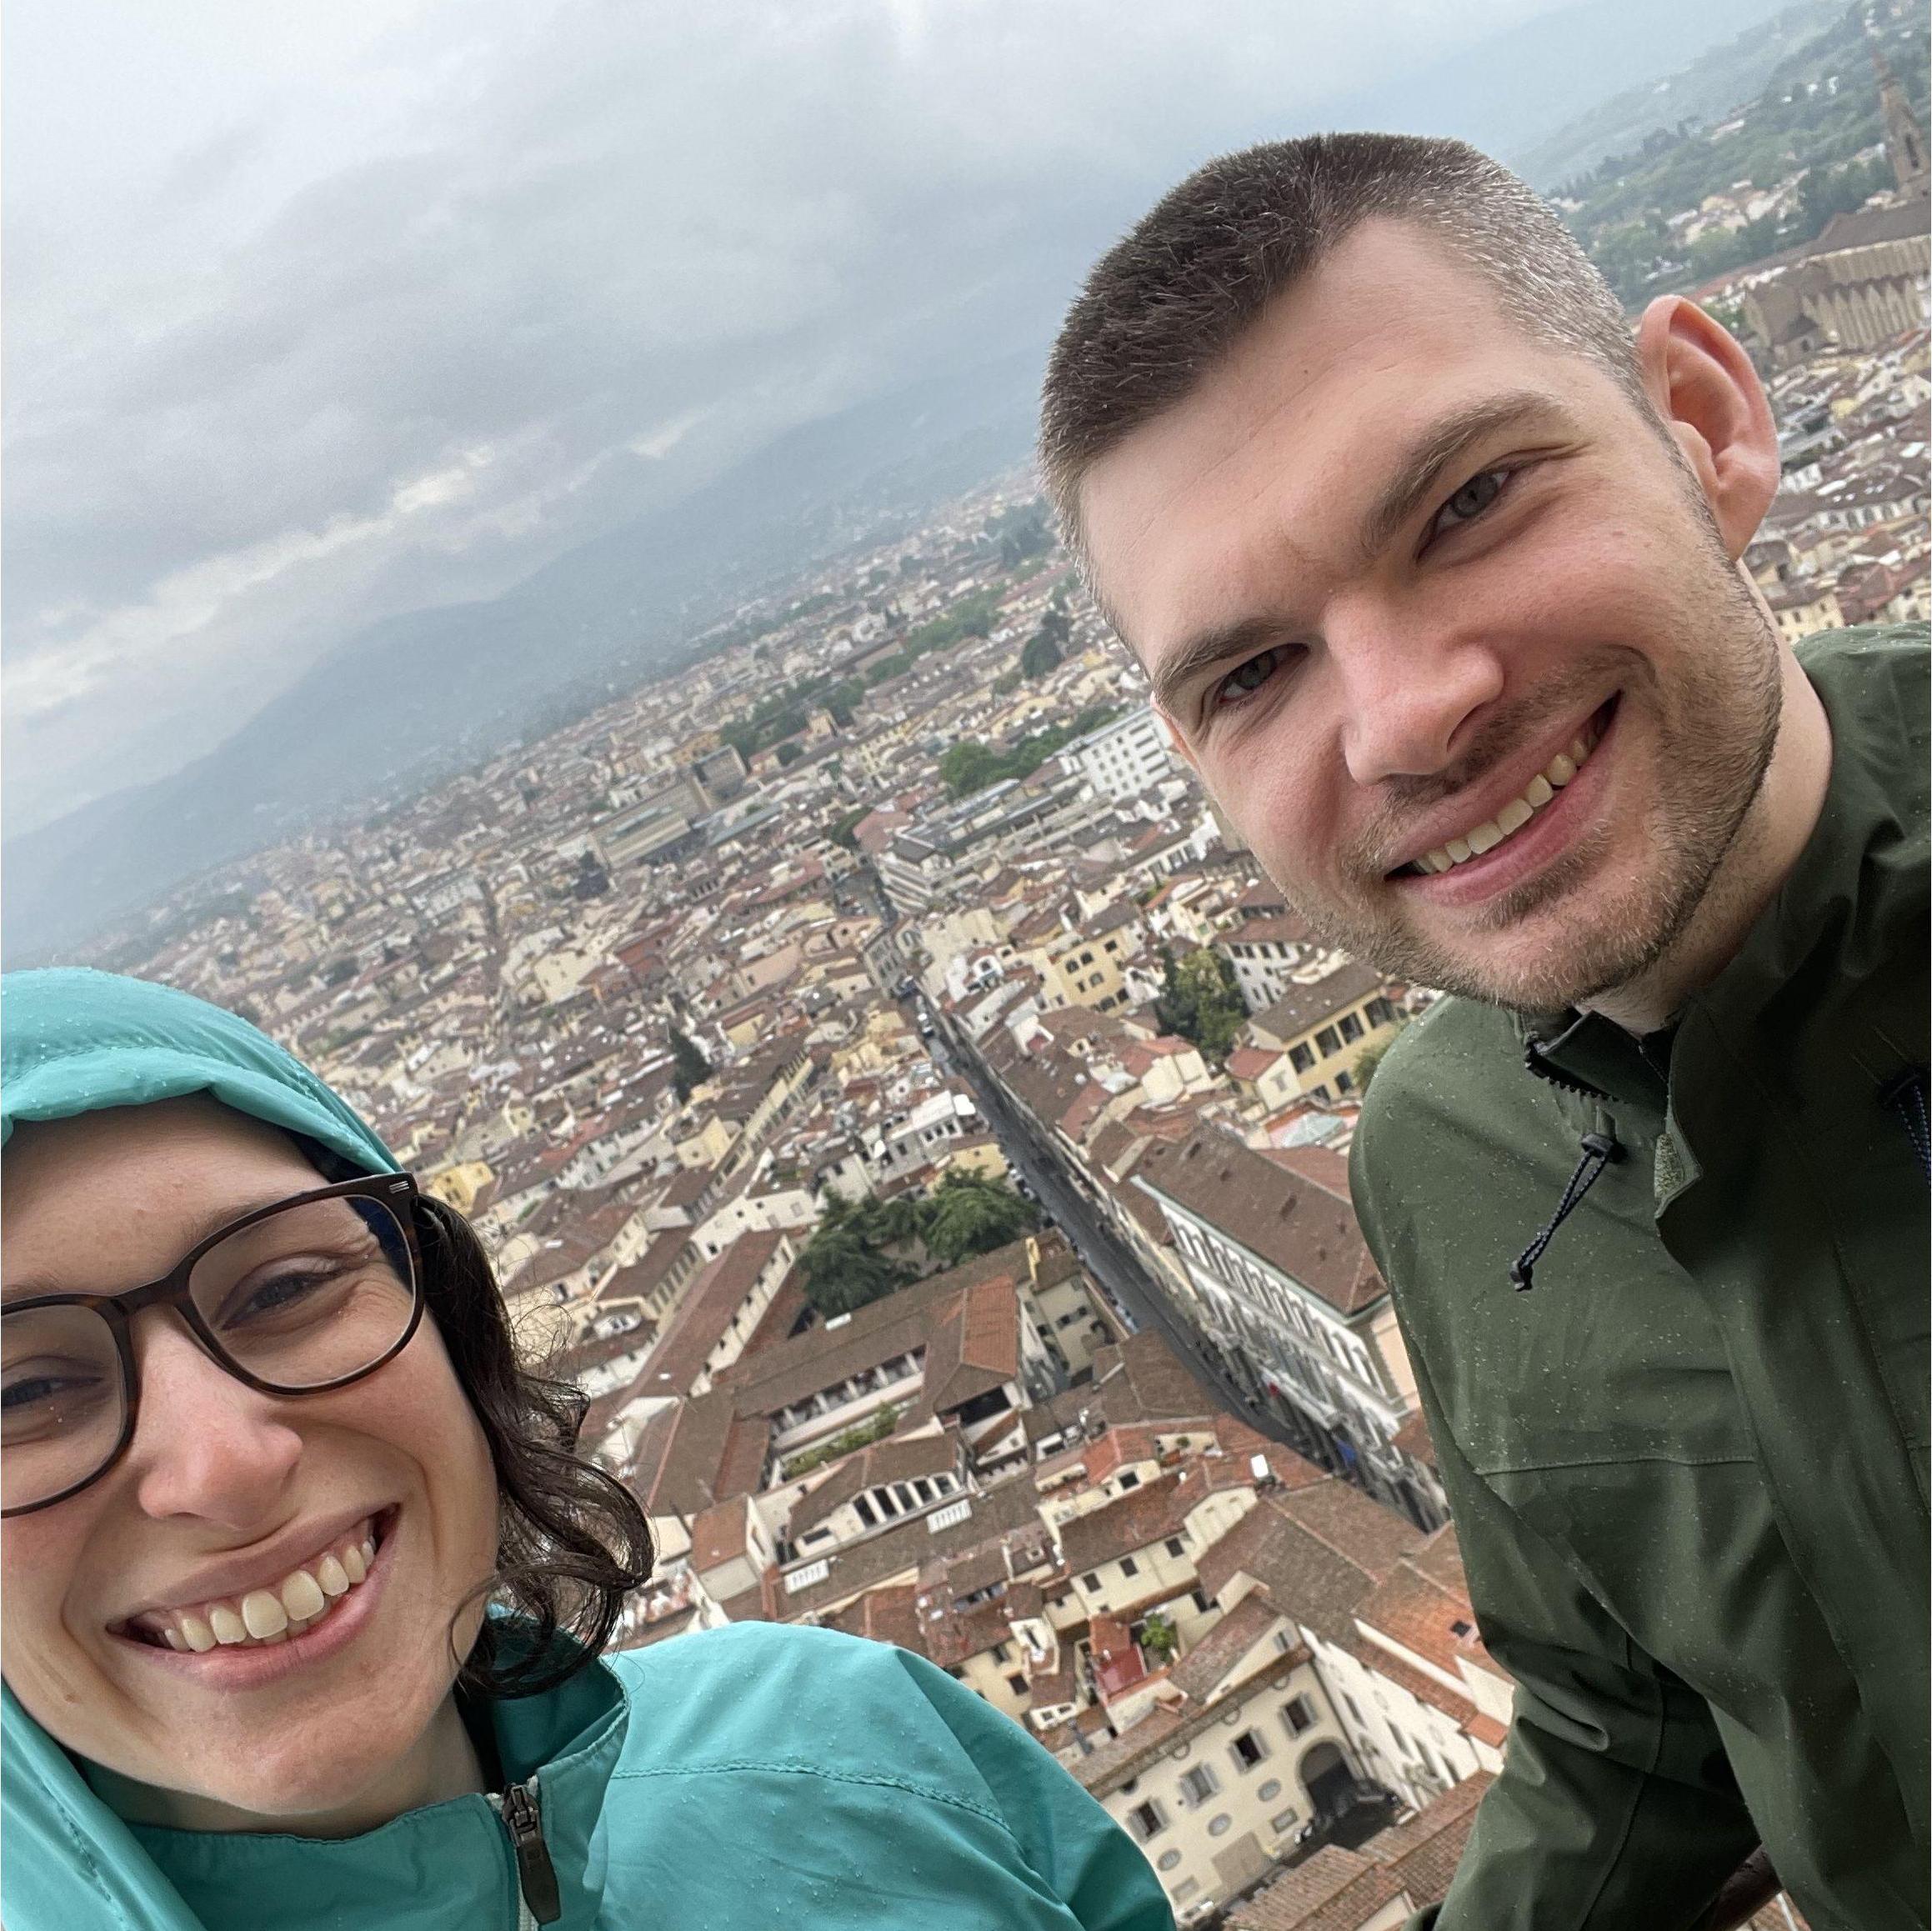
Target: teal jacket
x,y
756,1776
761,1778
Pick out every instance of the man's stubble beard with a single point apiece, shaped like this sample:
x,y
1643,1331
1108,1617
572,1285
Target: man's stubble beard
x,y
1712,747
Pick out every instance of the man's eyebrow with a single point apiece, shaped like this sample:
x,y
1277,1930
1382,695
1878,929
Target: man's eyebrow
x,y
1420,468
1205,649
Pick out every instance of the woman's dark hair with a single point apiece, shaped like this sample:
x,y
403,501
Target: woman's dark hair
x,y
571,1541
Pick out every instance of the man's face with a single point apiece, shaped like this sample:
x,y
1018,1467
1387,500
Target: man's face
x,y
1444,626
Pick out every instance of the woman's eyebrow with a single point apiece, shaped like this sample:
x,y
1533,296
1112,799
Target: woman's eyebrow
x,y
191,1236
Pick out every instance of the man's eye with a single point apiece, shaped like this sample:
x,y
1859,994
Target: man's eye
x,y
1469,501
1242,682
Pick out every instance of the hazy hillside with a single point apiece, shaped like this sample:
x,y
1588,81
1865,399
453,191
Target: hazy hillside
x,y
436,690
1806,127
1700,93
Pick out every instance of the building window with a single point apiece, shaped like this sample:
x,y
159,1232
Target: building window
x,y
1198,1784
863,1509
1219,1826
1147,1819
1278,1824
1176,1546
1200,1598
1128,1566
1167,1860
1298,1713
1355,1708
1017,1684
1326,1040
1300,1058
1267,1792
1001,1651
1185,1889
1379,1013
1091,1583
1248,1750
1129,1479
1351,1026
1344,1082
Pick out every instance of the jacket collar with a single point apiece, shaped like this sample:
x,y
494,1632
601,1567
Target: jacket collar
x,y
445,1866
1856,894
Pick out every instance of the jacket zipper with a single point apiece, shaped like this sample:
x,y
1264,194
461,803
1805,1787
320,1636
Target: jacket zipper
x,y
538,1900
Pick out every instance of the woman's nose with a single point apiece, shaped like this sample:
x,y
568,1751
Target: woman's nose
x,y
205,1444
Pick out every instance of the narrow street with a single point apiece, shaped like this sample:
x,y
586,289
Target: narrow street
x,y
1121,1276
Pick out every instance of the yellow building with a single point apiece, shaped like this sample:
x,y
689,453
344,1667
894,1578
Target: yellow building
x,y
458,1184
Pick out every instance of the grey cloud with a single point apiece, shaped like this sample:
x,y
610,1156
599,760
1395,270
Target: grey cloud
x,y
607,219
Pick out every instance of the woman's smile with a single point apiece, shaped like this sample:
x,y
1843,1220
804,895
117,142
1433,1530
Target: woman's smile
x,y
249,1637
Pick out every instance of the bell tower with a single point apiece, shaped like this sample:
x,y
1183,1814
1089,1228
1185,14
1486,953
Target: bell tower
x,y
1904,138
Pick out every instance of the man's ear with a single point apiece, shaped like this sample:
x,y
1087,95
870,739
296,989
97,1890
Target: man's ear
x,y
1705,388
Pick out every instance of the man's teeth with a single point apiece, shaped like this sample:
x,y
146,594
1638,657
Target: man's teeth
x,y
1519,812
297,1603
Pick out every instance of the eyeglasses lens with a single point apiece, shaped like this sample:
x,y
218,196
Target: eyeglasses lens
x,y
300,1298
309,1294
61,1402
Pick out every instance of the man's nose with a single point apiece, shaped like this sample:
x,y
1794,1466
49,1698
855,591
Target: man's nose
x,y
1408,694
205,1444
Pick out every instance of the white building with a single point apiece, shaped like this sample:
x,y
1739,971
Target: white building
x,y
1125,759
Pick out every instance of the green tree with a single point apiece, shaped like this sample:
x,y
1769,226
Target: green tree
x,y
1200,999
970,766
1159,1638
1040,655
860,1251
969,1214
689,1067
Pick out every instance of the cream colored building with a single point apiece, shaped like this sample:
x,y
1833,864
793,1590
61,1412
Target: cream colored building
x,y
1217,1783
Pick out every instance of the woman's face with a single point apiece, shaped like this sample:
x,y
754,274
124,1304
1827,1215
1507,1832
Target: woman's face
x,y
224,1491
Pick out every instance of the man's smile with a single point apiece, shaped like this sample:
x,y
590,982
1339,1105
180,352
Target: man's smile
x,y
1511,838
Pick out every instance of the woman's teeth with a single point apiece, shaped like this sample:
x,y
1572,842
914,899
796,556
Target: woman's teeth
x,y
297,1603
1519,810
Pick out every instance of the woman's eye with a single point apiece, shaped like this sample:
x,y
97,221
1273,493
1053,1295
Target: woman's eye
x,y
1245,679
1469,501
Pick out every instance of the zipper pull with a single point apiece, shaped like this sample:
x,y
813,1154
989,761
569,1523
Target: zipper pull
x,y
536,1875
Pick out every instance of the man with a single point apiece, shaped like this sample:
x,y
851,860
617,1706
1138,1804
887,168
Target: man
x,y
1433,568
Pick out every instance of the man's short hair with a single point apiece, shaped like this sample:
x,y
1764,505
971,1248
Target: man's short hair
x,y
1165,303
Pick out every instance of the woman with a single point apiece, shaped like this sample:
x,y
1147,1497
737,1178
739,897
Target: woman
x,y
304,1590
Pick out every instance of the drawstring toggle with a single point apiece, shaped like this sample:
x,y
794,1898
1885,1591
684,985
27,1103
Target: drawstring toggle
x,y
1598,1151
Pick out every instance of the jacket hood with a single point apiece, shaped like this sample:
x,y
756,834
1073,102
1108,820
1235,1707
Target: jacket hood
x,y
75,1042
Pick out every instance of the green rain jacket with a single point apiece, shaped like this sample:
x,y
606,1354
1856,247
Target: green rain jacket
x,y
1687,1466
759,1778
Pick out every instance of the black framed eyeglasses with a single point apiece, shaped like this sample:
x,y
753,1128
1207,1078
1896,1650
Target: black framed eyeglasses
x,y
300,1297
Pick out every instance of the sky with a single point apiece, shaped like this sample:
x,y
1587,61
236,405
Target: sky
x,y
314,314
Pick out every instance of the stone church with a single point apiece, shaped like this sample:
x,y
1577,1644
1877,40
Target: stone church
x,y
1863,280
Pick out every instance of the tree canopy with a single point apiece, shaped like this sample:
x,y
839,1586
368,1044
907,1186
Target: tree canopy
x,y
689,1067
969,1214
970,766
862,1251
1200,999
